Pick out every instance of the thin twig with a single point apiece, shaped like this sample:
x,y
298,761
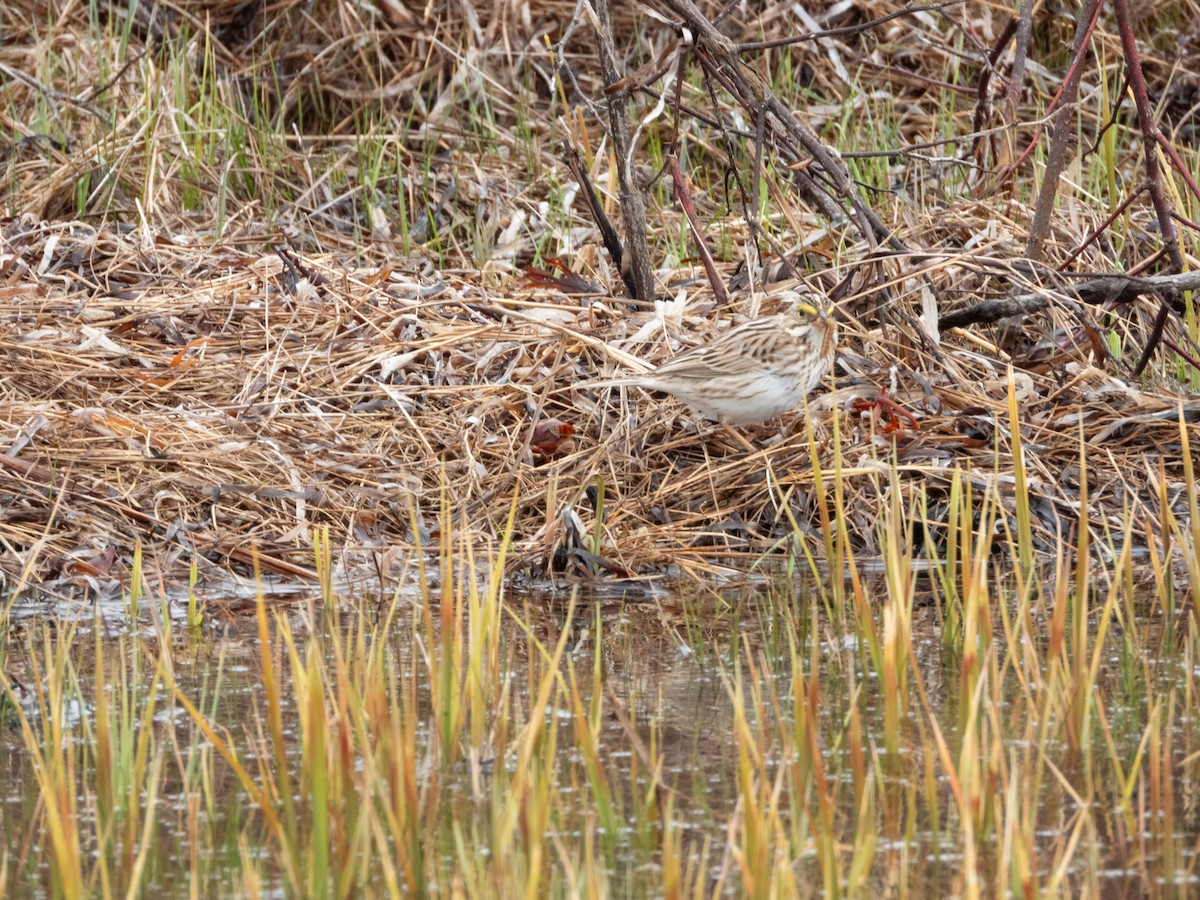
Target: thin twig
x,y
1112,217
1063,134
750,46
689,210
1158,196
633,206
983,101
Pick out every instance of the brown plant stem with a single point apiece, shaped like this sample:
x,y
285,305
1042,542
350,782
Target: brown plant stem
x,y
1114,288
718,56
1020,55
608,233
1112,217
633,206
985,79
679,186
1060,140
1151,137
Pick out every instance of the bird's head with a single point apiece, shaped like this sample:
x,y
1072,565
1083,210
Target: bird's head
x,y
809,320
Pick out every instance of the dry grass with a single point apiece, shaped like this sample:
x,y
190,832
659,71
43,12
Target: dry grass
x,y
172,379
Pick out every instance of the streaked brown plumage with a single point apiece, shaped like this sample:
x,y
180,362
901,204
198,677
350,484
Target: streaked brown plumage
x,y
751,373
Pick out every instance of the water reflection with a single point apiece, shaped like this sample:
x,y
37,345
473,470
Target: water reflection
x,y
708,737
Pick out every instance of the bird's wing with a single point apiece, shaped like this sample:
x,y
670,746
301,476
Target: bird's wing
x,y
715,358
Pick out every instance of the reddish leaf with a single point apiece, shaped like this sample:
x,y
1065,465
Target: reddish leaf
x,y
98,565
550,438
569,283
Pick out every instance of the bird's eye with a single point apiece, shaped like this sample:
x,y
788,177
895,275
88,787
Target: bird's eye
x,y
807,310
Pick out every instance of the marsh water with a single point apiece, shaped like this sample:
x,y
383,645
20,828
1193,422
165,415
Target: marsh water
x,y
721,741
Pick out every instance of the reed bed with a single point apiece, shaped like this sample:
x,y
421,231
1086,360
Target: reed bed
x,y
983,728
227,410
263,275
306,294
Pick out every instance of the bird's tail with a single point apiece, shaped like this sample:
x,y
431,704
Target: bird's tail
x,y
626,381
